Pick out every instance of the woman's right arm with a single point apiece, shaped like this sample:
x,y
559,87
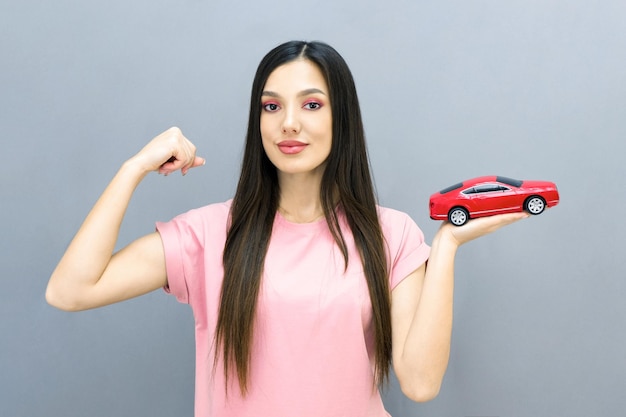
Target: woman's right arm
x,y
89,274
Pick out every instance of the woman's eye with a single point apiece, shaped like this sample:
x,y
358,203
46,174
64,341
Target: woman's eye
x,y
270,107
312,105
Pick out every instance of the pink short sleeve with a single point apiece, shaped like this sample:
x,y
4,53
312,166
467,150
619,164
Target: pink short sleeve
x,y
174,259
406,245
193,243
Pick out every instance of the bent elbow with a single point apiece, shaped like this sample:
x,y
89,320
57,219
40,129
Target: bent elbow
x,y
420,392
55,298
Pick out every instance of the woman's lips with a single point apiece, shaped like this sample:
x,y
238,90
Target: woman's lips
x,y
291,147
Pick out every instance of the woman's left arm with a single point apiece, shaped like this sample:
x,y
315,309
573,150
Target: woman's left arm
x,y
421,309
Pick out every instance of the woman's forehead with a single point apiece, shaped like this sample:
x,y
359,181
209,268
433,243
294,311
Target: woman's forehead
x,y
295,77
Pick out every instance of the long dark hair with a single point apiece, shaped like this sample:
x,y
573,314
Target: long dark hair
x,y
346,185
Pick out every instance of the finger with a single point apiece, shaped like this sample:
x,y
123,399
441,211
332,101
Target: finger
x,y
490,224
195,162
169,166
476,228
198,162
174,164
504,219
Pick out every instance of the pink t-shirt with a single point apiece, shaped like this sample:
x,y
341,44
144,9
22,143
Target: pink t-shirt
x,y
313,342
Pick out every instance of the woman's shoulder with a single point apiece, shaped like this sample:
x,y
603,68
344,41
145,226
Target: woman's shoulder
x,y
212,213
221,208
404,241
397,224
390,215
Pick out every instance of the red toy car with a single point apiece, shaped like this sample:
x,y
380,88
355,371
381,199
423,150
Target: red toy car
x,y
490,195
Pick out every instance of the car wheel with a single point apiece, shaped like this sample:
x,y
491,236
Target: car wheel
x,y
458,216
535,205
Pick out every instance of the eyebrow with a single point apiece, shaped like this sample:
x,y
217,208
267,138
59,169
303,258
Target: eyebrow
x,y
302,93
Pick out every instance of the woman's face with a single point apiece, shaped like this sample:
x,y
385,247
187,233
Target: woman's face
x,y
296,121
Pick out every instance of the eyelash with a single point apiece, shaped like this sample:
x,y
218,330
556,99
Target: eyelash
x,y
267,105
314,103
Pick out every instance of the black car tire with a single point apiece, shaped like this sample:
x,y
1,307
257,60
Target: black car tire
x,y
535,205
458,216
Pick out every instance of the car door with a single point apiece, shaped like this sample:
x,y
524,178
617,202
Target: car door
x,y
492,198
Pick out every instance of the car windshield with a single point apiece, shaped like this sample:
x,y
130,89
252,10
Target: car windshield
x,y
509,181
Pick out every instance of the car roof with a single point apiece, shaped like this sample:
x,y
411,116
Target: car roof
x,y
509,181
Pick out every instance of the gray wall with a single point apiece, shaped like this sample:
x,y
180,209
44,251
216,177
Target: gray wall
x,y
449,90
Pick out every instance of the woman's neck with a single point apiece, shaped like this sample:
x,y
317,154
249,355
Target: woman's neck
x,y
299,200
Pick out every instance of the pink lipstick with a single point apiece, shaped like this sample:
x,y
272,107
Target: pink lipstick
x,y
291,147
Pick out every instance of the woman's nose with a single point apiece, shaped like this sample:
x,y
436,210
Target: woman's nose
x,y
291,124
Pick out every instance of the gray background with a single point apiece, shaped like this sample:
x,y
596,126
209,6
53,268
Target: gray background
x,y
449,90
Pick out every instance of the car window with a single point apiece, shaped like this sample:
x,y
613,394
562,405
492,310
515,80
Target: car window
x,y
487,188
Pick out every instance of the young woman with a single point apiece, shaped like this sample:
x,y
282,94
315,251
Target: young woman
x,y
304,291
